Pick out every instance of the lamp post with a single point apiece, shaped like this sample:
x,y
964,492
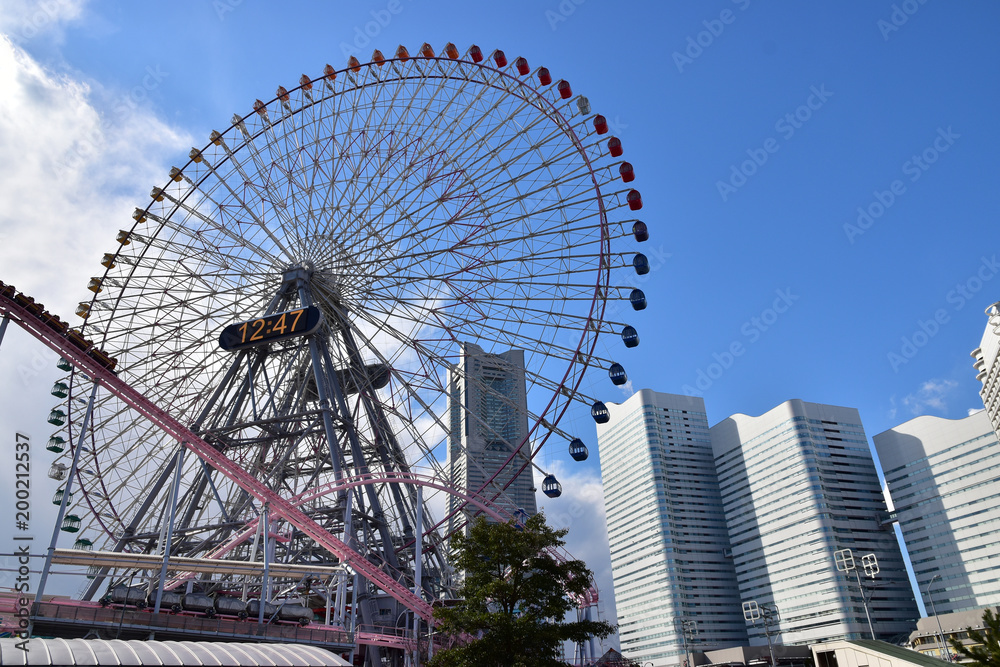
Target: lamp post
x,y
753,611
844,559
689,630
927,592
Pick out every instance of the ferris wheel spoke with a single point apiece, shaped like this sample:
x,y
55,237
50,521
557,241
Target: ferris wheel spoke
x,y
248,182
432,144
506,335
422,204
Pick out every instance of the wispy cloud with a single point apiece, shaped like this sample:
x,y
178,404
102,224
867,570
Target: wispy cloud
x,y
932,396
75,158
24,20
580,508
71,171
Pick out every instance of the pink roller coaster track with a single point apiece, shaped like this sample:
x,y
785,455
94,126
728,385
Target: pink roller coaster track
x,y
279,506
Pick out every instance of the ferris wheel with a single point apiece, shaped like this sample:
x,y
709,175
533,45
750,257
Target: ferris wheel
x,y
301,293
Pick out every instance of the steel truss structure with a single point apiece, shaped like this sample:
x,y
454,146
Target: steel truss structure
x,y
417,203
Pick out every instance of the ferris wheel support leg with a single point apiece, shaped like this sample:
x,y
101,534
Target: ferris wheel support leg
x,y
374,503
264,593
379,422
67,492
140,514
3,327
215,491
196,498
417,562
217,394
326,379
175,493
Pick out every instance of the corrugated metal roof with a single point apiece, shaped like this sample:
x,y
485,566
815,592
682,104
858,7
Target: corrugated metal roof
x,y
135,652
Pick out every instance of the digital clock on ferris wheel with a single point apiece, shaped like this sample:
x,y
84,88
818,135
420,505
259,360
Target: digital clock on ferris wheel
x,y
271,328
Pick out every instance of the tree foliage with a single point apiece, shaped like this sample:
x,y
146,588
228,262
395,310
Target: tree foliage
x,y
515,597
987,654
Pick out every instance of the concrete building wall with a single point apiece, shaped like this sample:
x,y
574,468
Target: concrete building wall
x,y
987,365
942,477
666,529
798,484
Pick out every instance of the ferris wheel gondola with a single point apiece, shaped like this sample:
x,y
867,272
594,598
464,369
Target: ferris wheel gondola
x,y
350,235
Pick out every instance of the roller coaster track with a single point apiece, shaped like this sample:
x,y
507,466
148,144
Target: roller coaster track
x,y
53,333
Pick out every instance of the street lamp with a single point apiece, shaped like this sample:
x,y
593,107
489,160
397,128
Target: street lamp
x,y
753,611
927,592
844,559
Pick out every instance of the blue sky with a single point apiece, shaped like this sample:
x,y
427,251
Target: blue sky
x,y
757,131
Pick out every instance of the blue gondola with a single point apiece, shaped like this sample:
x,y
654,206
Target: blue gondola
x,y
617,373
578,450
630,336
551,486
640,231
600,413
637,299
640,263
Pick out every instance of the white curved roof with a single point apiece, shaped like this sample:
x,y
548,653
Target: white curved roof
x,y
135,652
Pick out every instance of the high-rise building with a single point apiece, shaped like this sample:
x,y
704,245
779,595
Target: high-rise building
x,y
667,530
942,478
987,363
488,412
798,485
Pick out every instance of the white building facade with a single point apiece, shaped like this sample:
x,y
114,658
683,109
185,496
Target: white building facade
x,y
488,412
943,477
799,484
667,530
987,365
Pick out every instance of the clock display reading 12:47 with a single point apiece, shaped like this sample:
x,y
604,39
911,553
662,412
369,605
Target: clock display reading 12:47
x,y
270,328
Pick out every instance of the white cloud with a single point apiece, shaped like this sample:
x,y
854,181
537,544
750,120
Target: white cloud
x,y
580,508
70,175
75,159
932,395
25,20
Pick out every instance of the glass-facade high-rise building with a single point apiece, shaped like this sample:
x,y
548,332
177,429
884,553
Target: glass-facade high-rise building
x,y
942,477
489,420
667,530
799,484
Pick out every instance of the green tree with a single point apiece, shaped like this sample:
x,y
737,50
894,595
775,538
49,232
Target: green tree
x,y
515,597
987,653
